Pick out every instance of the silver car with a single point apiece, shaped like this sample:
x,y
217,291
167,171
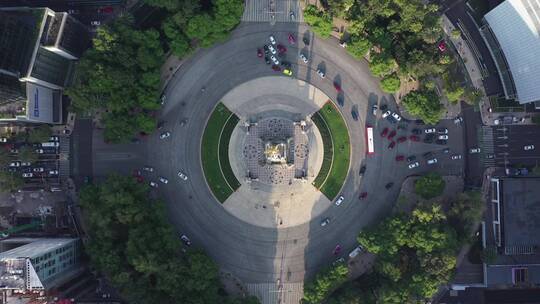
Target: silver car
x,y
165,135
182,175
274,60
325,222
413,165
272,39
163,180
304,58
340,200
272,49
528,147
321,73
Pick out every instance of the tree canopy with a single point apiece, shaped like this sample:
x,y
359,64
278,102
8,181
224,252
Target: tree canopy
x,y
324,283
39,134
319,20
10,182
424,104
429,186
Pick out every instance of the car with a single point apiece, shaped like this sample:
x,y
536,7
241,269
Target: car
x,y
400,157
338,261
260,53
274,60
40,151
337,249
455,157
337,86
441,142
182,175
528,147
38,169
266,49
429,138
325,222
392,134
163,180
285,64
442,46
287,72
95,23
73,11
15,164
272,49
414,165
272,39
292,15
362,170
281,49
446,150
356,251
162,99
490,156
384,132
340,200
432,161
442,131
402,126
396,116
25,164
160,125
414,138
267,60
303,57
384,107
428,155
54,138
53,172
389,185
402,139
362,195
276,68
416,131
354,114
458,120
106,9
12,170
442,137
165,135
291,38
391,145
386,114
185,240
374,109
430,130
27,174
153,184
474,150
50,144
148,168
3,140
411,158
321,73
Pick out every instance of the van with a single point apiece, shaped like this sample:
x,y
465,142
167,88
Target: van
x,y
50,144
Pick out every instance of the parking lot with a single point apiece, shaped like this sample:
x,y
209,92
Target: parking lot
x,y
506,144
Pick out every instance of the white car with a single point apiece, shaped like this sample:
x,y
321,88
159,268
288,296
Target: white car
x,y
15,164
27,174
456,156
165,135
95,23
458,120
3,139
325,222
163,180
340,200
374,109
321,73
304,58
182,175
356,251
430,130
413,165
53,172
432,161
474,150
38,170
163,98
148,168
39,151
274,60
272,39
529,147
443,137
442,131
153,185
185,240
272,49
386,114
396,116
25,164
54,138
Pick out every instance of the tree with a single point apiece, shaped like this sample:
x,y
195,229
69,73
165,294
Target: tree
x,y
429,186
358,47
4,157
27,154
381,64
466,213
320,21
424,104
178,42
39,134
536,119
324,283
390,83
10,182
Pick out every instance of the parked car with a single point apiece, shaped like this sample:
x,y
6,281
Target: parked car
x,y
182,175
40,151
392,134
325,222
338,261
356,251
442,131
455,156
411,158
429,138
287,72
272,39
528,147
148,168
15,164
384,132
272,49
401,139
362,195
321,73
374,109
413,165
441,142
396,116
274,60
416,131
260,53
185,240
400,157
38,169
267,60
25,164
95,23
389,185
53,172
339,200
337,87
474,150
391,145
443,137
458,120
27,174
428,155
50,144
304,58
414,138
337,249
153,184
163,180
430,130
432,161
291,38
54,138
165,135
362,170
490,156
281,49
446,150
386,114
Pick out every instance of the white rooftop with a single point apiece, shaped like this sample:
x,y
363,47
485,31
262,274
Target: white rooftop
x,y
516,24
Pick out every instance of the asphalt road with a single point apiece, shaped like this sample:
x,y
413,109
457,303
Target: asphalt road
x,y
509,142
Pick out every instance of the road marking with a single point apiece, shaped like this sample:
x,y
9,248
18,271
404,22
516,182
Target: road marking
x,y
263,10
269,293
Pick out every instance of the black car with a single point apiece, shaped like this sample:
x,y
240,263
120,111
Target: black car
x,y
384,108
306,40
266,50
416,131
402,127
285,64
428,155
362,170
441,142
411,158
389,185
267,60
354,114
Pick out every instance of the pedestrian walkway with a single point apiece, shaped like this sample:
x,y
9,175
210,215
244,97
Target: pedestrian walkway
x,y
486,143
272,11
64,162
271,293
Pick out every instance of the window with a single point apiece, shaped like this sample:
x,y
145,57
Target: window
x,y
519,275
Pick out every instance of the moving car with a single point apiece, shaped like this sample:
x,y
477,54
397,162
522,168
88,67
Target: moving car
x,y
338,261
362,170
321,73
356,251
337,250
443,137
272,39
163,98
163,180
304,58
325,222
413,165
165,135
474,150
386,114
455,156
182,175
528,147
185,240
432,161
430,130
354,114
340,200
259,53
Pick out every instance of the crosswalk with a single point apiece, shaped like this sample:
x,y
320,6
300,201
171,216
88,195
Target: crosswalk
x,y
272,11
270,293
487,146
64,162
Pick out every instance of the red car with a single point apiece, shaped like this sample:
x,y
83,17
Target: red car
x,y
442,46
401,139
414,138
291,39
337,86
392,134
281,49
276,68
384,132
259,53
337,250
106,10
362,195
391,145
400,158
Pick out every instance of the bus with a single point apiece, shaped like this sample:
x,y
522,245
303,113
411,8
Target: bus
x,y
369,138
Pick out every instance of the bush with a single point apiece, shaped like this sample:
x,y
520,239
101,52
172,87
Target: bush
x,y
390,83
429,186
320,21
424,104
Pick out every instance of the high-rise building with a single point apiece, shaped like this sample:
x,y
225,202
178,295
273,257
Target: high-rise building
x,y
38,49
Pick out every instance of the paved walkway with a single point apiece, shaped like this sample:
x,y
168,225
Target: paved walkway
x,y
272,11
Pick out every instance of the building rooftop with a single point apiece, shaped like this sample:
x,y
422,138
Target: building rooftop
x,y
516,25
